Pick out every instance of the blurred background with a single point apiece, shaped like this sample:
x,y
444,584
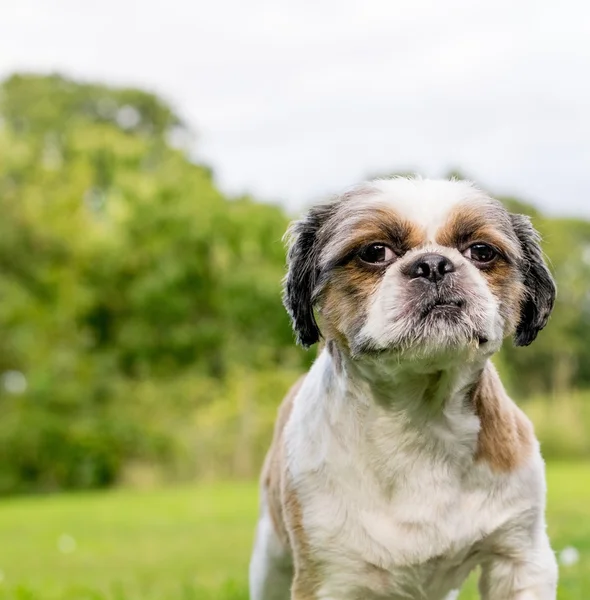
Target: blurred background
x,y
151,157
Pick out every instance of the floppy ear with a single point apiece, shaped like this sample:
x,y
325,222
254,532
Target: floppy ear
x,y
303,272
539,285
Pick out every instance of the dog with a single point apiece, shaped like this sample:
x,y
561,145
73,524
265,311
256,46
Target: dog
x,y
399,463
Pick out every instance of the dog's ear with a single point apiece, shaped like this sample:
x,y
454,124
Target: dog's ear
x,y
539,285
303,272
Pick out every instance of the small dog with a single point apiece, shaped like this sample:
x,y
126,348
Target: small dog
x,y
399,463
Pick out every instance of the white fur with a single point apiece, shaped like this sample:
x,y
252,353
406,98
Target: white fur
x,y
426,202
400,493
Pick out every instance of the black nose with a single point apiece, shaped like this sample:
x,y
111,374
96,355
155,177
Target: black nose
x,y
430,266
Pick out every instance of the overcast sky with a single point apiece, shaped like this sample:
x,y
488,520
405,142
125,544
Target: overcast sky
x,y
293,100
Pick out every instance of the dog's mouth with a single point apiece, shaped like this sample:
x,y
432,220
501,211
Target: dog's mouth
x,y
449,309
443,306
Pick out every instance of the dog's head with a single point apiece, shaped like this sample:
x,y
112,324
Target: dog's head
x,y
417,268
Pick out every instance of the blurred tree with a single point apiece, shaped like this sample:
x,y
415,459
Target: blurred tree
x,y
120,261
141,316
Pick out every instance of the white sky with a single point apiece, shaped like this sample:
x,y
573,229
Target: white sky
x,y
293,100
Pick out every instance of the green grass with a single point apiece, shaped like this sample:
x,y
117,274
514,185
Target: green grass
x,y
194,542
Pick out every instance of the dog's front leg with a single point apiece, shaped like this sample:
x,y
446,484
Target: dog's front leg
x,y
271,566
531,576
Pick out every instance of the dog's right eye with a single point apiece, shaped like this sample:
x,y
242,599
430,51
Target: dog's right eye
x,y
377,254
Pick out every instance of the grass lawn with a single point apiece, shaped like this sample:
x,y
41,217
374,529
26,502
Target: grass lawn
x,y
194,542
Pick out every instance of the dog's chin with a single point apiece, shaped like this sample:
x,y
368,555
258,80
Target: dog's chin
x,y
445,326
446,343
442,334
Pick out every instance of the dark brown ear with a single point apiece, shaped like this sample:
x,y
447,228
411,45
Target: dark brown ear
x,y
303,273
540,287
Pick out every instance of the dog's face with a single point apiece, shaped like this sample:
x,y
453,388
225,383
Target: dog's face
x,y
416,267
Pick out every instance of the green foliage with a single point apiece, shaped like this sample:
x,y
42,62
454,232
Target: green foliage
x,y
143,335
195,542
41,105
125,274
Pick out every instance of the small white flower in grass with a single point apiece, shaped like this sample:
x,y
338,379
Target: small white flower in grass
x,y
66,544
453,595
569,556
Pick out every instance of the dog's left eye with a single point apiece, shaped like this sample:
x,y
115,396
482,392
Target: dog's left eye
x,y
377,254
481,253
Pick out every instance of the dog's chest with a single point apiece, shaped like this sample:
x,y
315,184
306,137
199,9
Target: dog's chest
x,y
396,518
423,535
390,509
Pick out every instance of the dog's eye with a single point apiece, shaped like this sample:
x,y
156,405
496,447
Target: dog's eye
x,y
377,254
481,253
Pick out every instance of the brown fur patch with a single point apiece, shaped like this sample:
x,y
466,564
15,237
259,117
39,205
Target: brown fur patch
x,y
307,576
505,283
506,437
272,471
284,507
352,227
486,221
345,300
